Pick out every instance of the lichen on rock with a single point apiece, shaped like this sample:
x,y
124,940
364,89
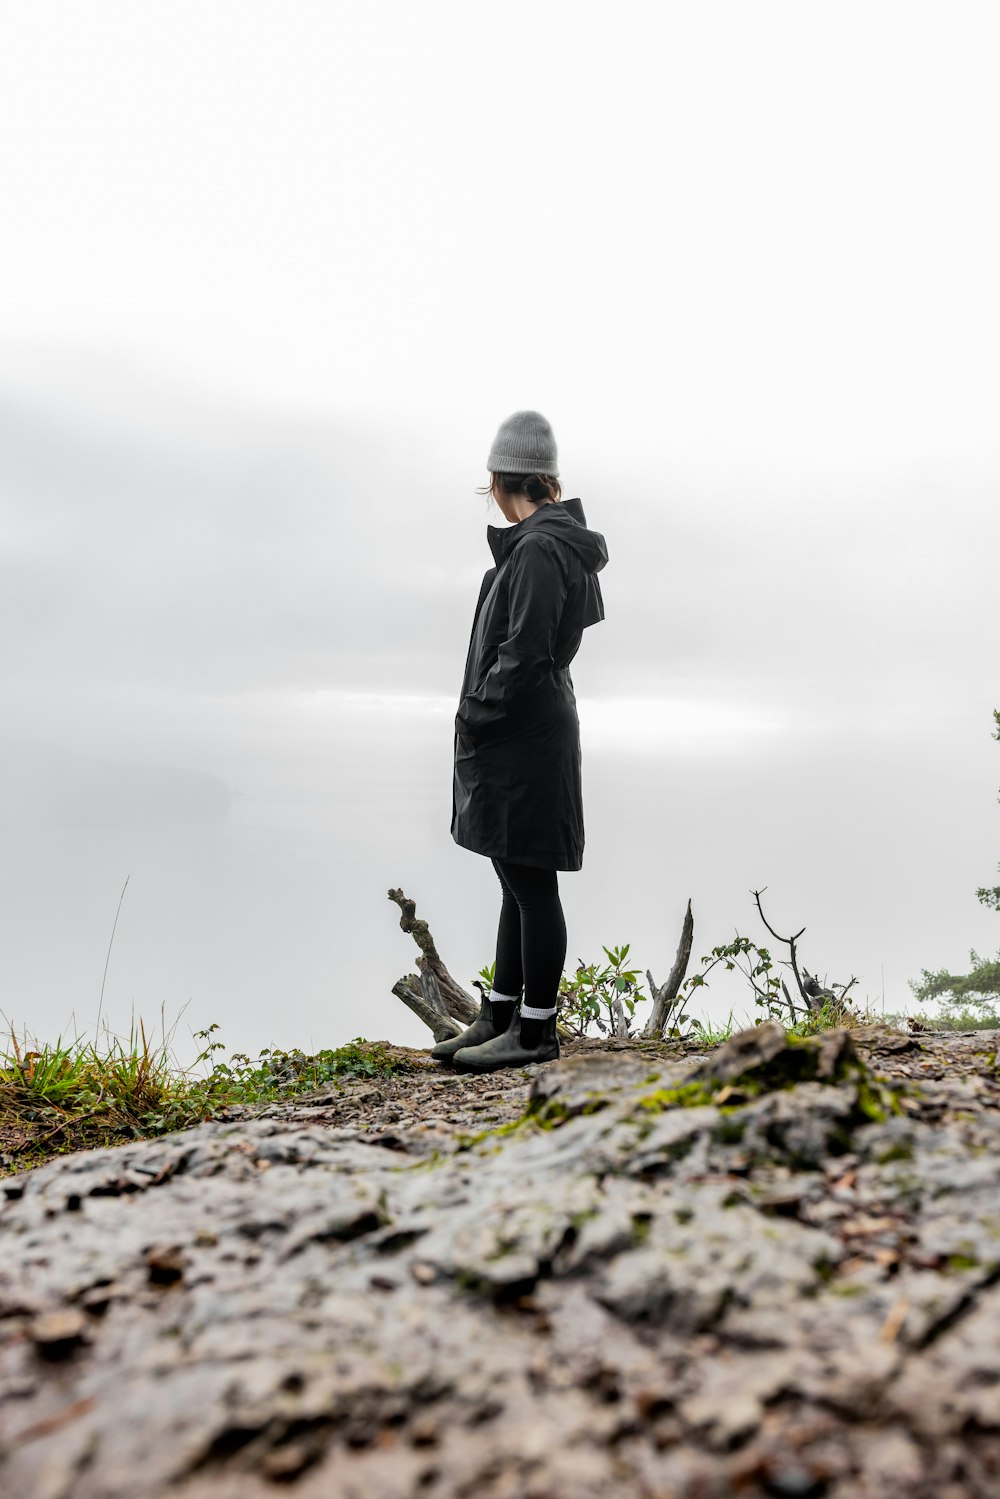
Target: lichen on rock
x,y
729,1273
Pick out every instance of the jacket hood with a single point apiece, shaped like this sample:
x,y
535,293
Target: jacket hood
x,y
565,520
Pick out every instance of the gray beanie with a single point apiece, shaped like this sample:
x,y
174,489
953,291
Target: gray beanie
x,y
525,444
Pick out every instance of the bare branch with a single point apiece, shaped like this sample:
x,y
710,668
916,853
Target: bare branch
x,y
674,1020
793,1008
664,997
789,943
757,895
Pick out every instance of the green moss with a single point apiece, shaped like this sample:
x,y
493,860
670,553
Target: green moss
x,y
577,1220
551,1115
797,1062
876,1100
871,1106
501,1249
556,1111
686,1096
900,1150
640,1228
848,1288
962,1262
495,1132
434,1159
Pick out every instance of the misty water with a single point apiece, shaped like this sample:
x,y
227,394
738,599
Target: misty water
x,y
257,897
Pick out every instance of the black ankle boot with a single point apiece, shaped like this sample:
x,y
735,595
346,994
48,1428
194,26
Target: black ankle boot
x,y
534,1032
519,1046
492,1020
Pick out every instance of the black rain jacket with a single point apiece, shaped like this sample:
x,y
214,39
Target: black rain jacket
x,y
517,788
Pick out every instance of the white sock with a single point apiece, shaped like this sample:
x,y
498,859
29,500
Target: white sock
x,y
504,999
528,1012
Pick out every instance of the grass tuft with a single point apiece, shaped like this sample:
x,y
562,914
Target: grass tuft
x,y
73,1095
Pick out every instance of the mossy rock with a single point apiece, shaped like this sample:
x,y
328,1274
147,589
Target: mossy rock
x,y
766,1059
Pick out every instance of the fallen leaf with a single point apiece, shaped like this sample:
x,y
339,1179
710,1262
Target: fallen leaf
x,y
861,1228
843,1182
895,1318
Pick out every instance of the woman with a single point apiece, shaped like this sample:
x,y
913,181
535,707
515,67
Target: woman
x,y
517,795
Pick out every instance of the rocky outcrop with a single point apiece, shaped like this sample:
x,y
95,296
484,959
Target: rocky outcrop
x,y
774,1270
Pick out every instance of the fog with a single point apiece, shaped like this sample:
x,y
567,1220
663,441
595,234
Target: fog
x,y
239,648
274,278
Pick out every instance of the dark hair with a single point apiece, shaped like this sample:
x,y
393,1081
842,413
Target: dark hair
x,y
539,488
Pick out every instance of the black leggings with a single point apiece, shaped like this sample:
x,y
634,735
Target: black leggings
x,y
531,938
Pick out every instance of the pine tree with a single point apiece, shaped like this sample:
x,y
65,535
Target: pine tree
x,y
981,985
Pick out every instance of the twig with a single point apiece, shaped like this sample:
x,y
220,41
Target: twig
x,y
793,1008
52,1423
789,943
107,960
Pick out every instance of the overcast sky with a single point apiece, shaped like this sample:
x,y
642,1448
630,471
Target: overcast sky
x,y
270,277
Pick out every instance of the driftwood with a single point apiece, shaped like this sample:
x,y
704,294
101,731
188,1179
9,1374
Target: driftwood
x,y
409,990
437,998
433,995
665,997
